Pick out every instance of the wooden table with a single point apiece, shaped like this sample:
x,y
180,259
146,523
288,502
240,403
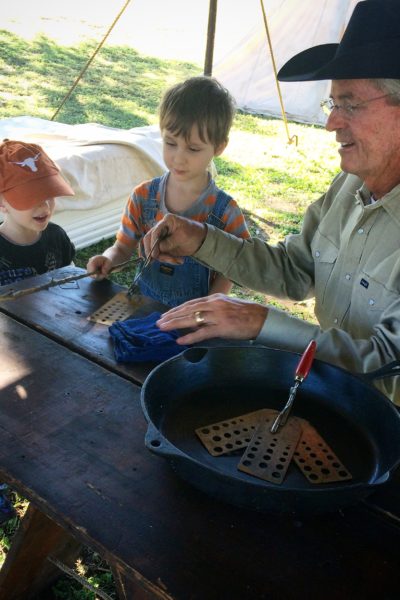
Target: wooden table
x,y
62,312
72,442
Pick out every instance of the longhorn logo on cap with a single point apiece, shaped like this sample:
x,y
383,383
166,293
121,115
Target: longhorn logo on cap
x,y
29,162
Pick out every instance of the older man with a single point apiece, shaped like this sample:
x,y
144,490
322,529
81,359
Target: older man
x,y
348,252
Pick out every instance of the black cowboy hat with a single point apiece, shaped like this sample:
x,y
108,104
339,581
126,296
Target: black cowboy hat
x,y
369,49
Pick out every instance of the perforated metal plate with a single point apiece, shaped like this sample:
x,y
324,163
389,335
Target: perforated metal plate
x,y
268,455
232,434
316,459
120,307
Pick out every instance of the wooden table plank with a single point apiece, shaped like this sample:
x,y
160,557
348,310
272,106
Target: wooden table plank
x,y
26,571
72,441
61,313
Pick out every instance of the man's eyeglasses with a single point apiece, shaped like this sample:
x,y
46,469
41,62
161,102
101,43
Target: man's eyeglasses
x,y
347,109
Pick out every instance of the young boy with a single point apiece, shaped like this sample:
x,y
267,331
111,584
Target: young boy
x,y
29,244
195,118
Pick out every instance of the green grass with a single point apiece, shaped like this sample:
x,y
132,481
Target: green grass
x,y
273,181
120,88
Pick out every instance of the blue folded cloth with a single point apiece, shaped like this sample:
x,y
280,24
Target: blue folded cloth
x,y
140,340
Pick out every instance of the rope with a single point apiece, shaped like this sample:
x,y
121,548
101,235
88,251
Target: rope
x,y
294,138
89,62
84,582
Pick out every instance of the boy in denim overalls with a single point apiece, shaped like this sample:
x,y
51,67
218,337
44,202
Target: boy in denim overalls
x,y
195,119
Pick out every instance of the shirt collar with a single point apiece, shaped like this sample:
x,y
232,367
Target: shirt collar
x,y
389,202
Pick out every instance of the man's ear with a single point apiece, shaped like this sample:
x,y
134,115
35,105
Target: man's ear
x,y
219,149
2,205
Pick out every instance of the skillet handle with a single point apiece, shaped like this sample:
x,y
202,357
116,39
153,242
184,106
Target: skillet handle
x,y
156,442
389,370
383,478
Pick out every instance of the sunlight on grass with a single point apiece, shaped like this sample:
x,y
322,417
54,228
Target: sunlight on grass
x,y
119,76
8,529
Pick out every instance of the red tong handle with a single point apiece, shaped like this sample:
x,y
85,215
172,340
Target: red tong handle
x,y
306,360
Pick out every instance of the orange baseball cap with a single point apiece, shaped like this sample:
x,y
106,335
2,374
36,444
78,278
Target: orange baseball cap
x,y
28,176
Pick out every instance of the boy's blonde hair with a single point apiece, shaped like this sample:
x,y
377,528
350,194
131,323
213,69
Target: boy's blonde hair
x,y
200,101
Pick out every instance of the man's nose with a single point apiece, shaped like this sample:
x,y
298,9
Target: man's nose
x,y
336,120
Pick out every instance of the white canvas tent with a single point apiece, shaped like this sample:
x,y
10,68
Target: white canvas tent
x,y
247,68
178,29
241,54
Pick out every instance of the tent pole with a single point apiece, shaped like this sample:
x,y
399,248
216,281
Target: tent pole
x,y
212,17
294,138
85,68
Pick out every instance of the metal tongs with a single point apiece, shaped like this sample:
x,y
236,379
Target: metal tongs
x,y
134,288
303,368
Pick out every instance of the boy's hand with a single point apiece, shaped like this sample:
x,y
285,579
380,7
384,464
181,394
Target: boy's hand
x,y
101,265
183,238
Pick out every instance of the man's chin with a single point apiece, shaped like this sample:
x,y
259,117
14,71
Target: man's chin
x,y
346,167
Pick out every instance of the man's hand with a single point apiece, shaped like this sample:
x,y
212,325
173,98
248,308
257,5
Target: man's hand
x,y
177,237
215,316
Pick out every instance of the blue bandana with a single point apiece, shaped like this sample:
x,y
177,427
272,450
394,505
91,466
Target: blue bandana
x,y
140,340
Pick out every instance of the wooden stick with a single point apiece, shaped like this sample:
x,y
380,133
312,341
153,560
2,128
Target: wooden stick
x,y
12,295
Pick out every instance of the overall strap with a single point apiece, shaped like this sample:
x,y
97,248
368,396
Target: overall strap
x,y
151,206
219,208
152,203
154,186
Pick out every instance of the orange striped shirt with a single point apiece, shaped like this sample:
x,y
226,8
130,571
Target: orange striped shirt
x,y
135,221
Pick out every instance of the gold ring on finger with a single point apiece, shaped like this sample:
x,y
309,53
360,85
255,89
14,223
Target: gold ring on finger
x,y
198,317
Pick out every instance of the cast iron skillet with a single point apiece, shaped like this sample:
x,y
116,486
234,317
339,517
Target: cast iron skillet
x,y
206,385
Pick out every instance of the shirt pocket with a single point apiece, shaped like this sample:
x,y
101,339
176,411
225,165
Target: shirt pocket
x,y
324,254
373,298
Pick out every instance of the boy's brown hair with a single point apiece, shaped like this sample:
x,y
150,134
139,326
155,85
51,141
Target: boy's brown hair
x,y
200,101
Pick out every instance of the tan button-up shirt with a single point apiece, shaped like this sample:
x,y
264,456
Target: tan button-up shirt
x,y
347,256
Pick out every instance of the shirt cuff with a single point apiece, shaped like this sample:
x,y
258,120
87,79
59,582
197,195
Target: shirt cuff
x,y
215,250
286,332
